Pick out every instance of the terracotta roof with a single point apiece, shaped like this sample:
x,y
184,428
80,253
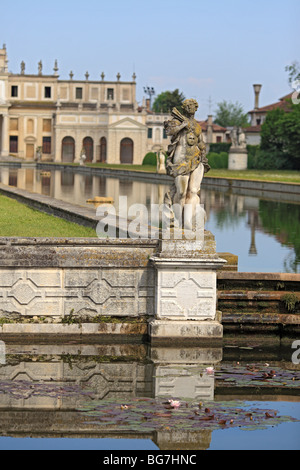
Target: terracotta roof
x,y
282,103
252,129
216,127
287,97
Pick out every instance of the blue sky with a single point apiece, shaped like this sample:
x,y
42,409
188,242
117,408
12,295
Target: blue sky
x,y
214,49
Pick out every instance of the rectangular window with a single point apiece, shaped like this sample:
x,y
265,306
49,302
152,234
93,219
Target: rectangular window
x,y
47,91
14,91
150,133
110,93
46,144
79,93
46,125
125,94
13,144
94,93
14,124
165,134
219,139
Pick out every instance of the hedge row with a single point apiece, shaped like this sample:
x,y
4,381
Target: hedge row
x,y
257,159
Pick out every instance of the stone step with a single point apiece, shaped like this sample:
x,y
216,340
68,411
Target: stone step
x,y
279,282
234,301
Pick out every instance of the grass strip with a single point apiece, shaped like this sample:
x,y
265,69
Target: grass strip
x,y
20,220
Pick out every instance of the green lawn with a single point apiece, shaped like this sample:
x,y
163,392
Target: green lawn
x,y
283,176
19,220
287,176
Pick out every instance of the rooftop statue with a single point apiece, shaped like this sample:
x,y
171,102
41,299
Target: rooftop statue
x,y
186,162
40,67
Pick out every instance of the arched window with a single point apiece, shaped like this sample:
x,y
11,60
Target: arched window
x,y
126,151
103,147
88,146
68,150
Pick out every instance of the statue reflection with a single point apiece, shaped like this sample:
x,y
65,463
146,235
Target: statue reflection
x,y
44,387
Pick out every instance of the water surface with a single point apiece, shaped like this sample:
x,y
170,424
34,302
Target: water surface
x,y
262,228
136,397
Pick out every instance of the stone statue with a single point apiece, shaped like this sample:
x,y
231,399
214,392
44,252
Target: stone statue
x,y
161,167
242,138
234,137
39,153
82,157
238,138
40,67
22,67
186,161
238,157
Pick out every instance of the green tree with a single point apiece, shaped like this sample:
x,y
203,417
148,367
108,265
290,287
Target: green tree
x,y
293,71
271,136
230,114
167,100
281,133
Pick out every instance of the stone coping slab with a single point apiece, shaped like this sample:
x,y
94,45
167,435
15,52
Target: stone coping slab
x,y
89,332
259,276
75,252
174,332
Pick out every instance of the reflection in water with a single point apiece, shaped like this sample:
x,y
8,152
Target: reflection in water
x,y
111,391
261,231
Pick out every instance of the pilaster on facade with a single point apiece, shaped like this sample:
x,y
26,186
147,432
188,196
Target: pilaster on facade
x,y
4,135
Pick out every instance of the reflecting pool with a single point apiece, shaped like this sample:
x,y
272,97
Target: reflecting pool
x,y
137,397
261,228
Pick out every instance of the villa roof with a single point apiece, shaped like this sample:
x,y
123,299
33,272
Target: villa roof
x,y
282,104
215,127
254,129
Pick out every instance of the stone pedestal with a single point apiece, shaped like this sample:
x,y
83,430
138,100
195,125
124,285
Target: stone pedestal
x,y
186,293
183,372
238,159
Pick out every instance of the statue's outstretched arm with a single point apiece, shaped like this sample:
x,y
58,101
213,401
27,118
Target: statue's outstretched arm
x,y
174,127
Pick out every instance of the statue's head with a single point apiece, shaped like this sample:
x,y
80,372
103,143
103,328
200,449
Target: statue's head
x,y
191,138
190,105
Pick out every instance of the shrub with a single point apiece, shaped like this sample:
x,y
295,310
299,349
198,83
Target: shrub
x,y
251,150
150,159
218,160
274,160
219,147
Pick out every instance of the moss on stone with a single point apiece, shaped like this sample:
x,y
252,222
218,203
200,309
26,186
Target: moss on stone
x,y
290,301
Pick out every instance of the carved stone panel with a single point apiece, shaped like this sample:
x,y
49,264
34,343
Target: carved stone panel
x,y
186,294
58,292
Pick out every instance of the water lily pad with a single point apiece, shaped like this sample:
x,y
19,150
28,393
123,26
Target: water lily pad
x,y
151,415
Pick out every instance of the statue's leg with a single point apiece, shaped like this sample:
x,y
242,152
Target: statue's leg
x,y
179,200
192,197
195,181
